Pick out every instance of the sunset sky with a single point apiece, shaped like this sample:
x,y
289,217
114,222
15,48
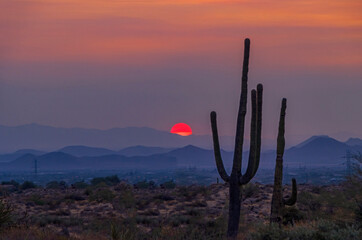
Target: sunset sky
x,y
103,64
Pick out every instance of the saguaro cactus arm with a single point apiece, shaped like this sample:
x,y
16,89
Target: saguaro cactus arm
x,y
293,198
259,108
239,137
218,159
255,135
252,150
281,131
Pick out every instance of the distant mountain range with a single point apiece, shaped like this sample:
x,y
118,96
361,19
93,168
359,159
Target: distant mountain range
x,y
143,151
354,142
83,151
12,156
46,138
59,161
317,151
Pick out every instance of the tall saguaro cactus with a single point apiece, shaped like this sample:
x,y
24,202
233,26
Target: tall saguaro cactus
x,y
236,178
278,202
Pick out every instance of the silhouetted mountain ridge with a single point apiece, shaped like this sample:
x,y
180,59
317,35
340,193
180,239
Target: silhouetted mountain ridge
x,y
12,156
354,142
316,151
59,161
143,150
35,136
84,151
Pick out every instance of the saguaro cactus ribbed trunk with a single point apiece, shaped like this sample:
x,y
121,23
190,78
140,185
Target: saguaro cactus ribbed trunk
x,y
236,178
278,202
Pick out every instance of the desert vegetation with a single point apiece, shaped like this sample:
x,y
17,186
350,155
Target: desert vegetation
x,y
107,208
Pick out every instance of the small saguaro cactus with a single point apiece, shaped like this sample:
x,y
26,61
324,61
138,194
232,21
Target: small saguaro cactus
x,y
236,178
278,202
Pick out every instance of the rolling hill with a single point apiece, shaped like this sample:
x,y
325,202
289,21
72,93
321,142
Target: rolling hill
x,y
317,151
58,161
84,151
143,151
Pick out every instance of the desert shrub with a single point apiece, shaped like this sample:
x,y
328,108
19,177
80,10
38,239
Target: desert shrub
x,y
190,193
27,185
200,230
336,199
12,182
62,212
80,185
88,191
142,203
249,190
320,230
168,185
211,230
202,190
36,199
56,185
198,203
179,220
4,192
124,229
183,191
309,200
352,188
97,225
102,195
292,215
115,233
127,234
5,214
123,186
74,197
152,185
125,200
24,233
114,180
44,220
145,185
358,213
193,212
329,230
266,232
98,180
151,212
110,180
11,186
54,203
144,220
316,189
164,197
141,185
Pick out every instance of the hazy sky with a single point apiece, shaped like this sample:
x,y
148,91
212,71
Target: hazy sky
x,y
103,64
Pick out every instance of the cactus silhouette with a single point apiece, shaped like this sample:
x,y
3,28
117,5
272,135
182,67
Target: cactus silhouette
x,y
236,178
278,202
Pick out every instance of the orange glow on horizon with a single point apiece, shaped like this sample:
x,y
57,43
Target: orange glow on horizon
x,y
181,129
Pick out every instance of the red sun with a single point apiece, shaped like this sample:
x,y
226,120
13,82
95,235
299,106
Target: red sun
x,y
181,129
